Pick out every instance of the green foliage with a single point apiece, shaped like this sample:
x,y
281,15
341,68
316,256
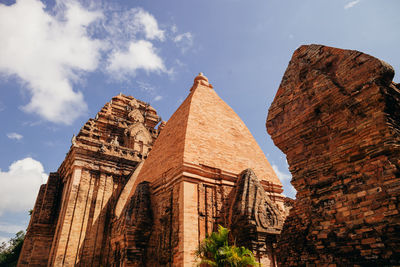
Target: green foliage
x,y
9,252
215,250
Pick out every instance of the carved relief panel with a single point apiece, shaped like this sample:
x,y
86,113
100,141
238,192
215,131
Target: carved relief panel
x,y
137,137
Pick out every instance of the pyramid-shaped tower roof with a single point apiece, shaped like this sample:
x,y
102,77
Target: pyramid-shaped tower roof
x,y
205,131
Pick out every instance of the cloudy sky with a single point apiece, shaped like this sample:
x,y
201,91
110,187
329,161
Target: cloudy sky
x,y
60,61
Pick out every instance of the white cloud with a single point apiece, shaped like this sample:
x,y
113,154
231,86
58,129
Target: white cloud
x,y
351,4
50,50
146,87
130,36
184,41
285,178
19,186
183,36
15,136
158,98
45,52
140,55
149,24
281,175
150,90
10,228
122,26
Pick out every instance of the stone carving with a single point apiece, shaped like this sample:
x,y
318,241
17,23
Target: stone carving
x,y
134,104
336,117
73,140
136,116
141,136
134,129
138,137
114,141
255,219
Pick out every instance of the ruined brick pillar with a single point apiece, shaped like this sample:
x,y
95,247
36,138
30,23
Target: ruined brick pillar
x,y
336,116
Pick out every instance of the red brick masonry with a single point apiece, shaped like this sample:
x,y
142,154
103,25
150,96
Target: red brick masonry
x,y
336,116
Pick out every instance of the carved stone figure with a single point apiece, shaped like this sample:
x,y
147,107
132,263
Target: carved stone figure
x,y
253,205
136,116
255,220
73,140
134,104
137,136
115,141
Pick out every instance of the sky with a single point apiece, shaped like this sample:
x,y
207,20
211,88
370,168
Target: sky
x,y
61,61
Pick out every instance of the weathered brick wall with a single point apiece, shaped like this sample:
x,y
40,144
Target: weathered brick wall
x,y
336,116
164,240
40,232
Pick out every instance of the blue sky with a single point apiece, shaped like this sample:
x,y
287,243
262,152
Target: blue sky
x,y
61,61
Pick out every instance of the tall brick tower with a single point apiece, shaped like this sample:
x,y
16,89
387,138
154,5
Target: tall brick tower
x,y
192,171
70,221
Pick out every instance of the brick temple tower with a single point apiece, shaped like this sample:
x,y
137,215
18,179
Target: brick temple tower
x,y
70,221
192,171
114,203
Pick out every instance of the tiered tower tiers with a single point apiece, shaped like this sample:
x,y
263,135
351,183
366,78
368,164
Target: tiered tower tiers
x,y
73,210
